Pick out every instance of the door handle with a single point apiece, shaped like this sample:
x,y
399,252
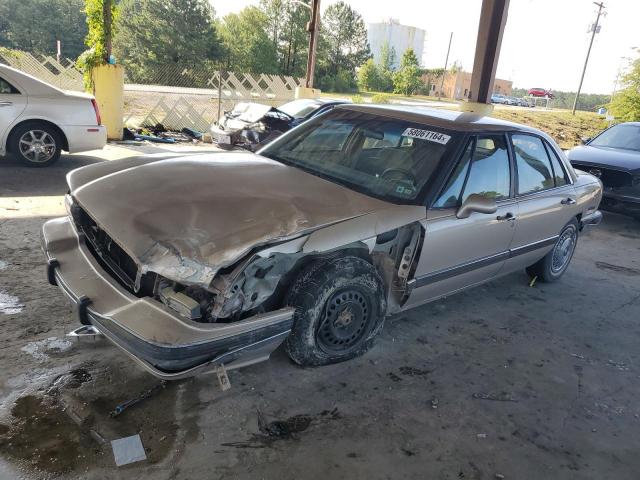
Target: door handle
x,y
568,201
6,104
509,217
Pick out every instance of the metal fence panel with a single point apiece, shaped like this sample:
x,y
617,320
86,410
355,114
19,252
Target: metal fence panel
x,y
172,95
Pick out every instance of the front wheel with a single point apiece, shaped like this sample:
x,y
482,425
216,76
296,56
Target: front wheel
x,y
340,305
553,265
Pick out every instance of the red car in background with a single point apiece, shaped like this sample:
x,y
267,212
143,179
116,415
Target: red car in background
x,y
540,92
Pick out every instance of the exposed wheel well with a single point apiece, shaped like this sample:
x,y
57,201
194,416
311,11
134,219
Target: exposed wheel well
x,y
65,142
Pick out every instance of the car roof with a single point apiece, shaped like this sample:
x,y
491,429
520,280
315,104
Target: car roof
x,y
26,83
443,118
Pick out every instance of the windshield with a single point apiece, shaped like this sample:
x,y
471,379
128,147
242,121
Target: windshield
x,y
622,136
379,156
299,108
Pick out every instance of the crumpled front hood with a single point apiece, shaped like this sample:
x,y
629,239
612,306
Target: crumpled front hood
x,y
618,159
185,218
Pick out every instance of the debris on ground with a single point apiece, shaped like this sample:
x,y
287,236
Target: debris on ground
x,y
134,401
128,450
499,397
434,402
159,134
275,430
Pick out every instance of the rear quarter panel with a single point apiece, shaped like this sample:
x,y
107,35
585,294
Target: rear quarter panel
x,y
588,192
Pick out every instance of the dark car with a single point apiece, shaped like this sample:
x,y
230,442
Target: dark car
x,y
614,157
253,125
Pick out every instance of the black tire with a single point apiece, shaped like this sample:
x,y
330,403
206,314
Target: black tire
x,y
45,140
340,306
553,265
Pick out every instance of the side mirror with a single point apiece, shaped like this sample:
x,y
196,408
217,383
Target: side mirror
x,y
585,140
476,203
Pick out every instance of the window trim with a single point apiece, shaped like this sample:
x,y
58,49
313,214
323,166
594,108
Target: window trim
x,y
538,192
465,142
565,174
12,85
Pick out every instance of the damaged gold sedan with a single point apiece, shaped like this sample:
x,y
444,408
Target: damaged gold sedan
x,y
190,263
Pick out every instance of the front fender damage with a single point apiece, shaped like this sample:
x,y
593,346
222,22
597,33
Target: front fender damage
x,y
249,285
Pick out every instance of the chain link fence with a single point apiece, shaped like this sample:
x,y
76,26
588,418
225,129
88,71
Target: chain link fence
x,y
171,95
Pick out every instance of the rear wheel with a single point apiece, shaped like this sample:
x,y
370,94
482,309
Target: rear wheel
x,y
553,265
339,306
36,144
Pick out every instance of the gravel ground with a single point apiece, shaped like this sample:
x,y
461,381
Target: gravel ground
x,y
503,381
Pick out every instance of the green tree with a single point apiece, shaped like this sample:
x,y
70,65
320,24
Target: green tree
x,y
407,79
36,25
246,43
155,35
387,66
286,27
625,104
369,76
342,47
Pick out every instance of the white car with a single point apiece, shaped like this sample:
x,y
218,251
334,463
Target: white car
x,y
38,120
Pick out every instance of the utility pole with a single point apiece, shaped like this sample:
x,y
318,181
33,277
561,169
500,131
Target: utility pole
x,y
446,61
312,27
594,30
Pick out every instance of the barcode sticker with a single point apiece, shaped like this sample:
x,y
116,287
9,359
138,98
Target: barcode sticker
x,y
428,135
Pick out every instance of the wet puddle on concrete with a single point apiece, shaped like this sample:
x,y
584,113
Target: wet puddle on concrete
x,y
41,349
10,304
65,426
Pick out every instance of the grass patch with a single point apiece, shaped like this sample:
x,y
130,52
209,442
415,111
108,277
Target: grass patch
x,y
564,128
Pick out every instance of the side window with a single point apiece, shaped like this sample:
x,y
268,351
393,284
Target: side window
x,y
450,196
532,161
559,172
490,174
6,87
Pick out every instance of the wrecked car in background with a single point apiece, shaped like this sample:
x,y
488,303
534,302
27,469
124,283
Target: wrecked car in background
x,y
206,260
614,157
253,125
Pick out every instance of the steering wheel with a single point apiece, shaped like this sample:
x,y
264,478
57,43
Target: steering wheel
x,y
406,173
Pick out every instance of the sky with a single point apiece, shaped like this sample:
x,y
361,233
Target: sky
x,y
544,45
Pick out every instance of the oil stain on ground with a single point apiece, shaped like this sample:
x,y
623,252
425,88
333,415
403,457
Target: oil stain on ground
x,y
44,438
288,428
65,427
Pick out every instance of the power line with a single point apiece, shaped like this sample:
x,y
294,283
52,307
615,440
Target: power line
x,y
595,28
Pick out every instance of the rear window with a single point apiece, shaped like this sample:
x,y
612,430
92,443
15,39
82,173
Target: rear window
x,y
6,87
383,157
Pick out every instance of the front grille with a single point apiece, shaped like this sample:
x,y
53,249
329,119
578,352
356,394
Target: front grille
x,y
111,257
610,178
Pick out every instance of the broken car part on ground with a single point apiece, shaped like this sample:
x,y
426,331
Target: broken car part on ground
x,y
206,260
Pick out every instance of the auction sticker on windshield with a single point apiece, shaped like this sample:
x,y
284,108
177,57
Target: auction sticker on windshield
x,y
427,135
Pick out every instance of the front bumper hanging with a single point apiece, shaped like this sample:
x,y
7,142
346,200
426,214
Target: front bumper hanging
x,y
165,344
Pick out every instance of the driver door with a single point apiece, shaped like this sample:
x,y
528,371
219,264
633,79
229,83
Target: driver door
x,y
460,252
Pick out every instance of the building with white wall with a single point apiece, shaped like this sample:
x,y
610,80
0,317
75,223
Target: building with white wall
x,y
399,37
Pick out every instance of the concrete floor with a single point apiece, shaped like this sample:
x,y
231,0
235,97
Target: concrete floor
x,y
503,381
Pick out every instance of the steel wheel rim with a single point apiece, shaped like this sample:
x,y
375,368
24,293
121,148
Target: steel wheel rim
x,y
563,250
37,146
345,322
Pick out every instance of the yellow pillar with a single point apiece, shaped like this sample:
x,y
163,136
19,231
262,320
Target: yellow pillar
x,y
483,109
108,88
305,92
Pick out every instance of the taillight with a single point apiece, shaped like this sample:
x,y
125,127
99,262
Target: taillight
x,y
97,110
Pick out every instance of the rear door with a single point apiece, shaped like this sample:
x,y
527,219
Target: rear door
x,y
546,199
460,252
12,104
